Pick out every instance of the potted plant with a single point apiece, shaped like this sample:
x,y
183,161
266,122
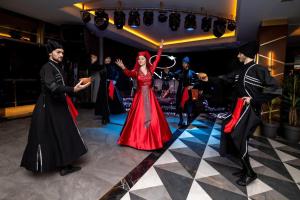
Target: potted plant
x,y
270,115
292,100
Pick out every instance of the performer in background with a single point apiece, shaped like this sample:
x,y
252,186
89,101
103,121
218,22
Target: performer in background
x,y
93,70
252,86
115,100
101,105
166,76
186,78
145,127
54,140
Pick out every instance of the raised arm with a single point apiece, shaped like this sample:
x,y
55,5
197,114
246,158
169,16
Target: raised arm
x,y
229,78
154,65
127,72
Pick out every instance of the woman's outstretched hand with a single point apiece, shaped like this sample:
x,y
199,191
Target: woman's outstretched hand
x,y
120,64
161,43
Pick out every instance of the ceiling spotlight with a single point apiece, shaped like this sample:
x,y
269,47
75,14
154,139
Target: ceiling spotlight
x,y
119,19
162,17
134,19
101,19
85,16
148,18
231,25
206,24
219,27
174,21
190,22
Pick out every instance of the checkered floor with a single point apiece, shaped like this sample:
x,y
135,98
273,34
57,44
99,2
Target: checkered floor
x,y
191,168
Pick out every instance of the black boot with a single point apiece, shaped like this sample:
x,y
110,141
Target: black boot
x,y
239,173
246,179
68,170
250,175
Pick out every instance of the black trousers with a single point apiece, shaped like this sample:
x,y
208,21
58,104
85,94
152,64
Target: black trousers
x,y
188,108
228,147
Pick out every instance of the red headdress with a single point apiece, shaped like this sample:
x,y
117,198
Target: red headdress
x,y
147,55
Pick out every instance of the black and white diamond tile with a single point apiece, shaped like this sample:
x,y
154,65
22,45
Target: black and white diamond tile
x,y
205,170
189,162
158,192
177,183
197,192
150,179
285,157
167,157
217,192
191,168
295,173
295,163
257,188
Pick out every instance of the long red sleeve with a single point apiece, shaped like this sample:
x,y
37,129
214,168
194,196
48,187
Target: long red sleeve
x,y
130,73
154,65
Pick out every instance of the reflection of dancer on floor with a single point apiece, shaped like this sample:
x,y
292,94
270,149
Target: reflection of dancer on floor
x,y
146,127
249,82
54,140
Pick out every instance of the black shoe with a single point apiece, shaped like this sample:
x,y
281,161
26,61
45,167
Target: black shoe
x,y
68,170
246,180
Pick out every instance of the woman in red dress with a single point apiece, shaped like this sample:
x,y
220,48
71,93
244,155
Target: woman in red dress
x,y
146,127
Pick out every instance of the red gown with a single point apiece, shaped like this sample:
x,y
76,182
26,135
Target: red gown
x,y
146,127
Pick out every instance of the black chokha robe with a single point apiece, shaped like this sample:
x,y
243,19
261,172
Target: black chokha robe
x,y
254,81
54,139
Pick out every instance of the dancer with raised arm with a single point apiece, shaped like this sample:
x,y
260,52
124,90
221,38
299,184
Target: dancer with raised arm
x,y
252,86
146,127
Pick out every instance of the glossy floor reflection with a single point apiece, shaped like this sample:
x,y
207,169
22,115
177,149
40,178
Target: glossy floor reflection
x,y
191,168
105,164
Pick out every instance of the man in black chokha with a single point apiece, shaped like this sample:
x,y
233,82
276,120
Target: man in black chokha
x,y
252,86
54,140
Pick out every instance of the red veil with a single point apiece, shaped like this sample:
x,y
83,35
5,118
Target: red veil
x,y
147,55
